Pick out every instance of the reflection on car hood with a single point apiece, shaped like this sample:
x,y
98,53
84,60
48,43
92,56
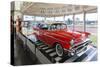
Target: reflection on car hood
x,y
66,34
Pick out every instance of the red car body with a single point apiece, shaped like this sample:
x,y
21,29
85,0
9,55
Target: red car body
x,y
62,36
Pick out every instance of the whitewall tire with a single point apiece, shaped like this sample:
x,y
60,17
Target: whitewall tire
x,y
59,50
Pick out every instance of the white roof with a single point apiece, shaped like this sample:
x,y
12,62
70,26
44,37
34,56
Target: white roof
x,y
53,9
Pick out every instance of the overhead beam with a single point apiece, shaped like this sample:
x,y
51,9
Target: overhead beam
x,y
25,8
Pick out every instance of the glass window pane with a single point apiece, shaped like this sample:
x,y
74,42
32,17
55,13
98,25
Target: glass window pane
x,y
39,18
79,23
28,18
91,26
59,19
69,22
50,19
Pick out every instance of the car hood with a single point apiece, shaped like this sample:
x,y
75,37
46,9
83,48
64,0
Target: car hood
x,y
66,34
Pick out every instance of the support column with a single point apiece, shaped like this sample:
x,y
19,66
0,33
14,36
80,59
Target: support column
x,y
64,19
44,18
84,20
17,15
34,18
73,22
17,10
54,19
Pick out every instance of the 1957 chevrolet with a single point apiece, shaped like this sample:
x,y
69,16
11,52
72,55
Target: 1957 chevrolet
x,y
63,40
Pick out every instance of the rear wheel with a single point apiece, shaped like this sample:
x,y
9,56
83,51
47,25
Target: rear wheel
x,y
59,50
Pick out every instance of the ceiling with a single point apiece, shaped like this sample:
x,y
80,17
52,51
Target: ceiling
x,y
53,9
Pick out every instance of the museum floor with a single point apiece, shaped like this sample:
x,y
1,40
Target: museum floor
x,y
22,56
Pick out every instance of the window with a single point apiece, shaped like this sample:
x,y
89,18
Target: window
x,y
38,18
91,23
69,21
91,26
59,19
50,19
79,23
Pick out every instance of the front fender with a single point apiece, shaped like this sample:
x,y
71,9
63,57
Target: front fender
x,y
65,45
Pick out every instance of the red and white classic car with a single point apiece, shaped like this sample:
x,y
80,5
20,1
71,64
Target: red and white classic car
x,y
63,40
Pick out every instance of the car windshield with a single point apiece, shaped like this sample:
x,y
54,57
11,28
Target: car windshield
x,y
58,26
43,26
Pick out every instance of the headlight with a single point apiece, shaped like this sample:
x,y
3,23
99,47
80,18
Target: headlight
x,y
72,42
83,37
88,36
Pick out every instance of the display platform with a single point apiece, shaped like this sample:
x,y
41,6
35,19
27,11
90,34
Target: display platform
x,y
47,55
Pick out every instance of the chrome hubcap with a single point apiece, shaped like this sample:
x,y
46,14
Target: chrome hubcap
x,y
59,50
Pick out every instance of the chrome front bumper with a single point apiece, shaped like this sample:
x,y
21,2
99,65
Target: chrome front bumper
x,y
78,48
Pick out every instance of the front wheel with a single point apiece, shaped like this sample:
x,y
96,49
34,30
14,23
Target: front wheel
x,y
59,50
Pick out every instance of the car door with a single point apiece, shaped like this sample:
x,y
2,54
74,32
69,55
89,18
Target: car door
x,y
42,35
49,38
